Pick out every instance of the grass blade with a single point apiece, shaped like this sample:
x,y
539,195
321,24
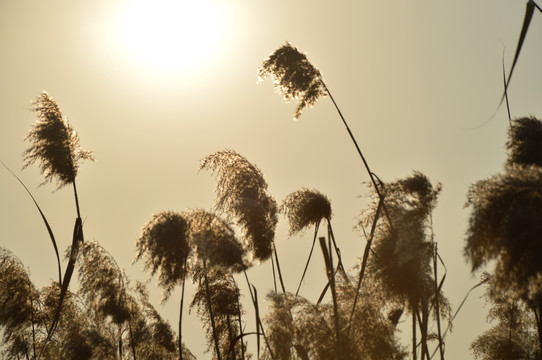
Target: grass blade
x,y
49,230
526,22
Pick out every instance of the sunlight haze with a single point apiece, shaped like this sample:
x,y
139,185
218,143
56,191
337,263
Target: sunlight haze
x,y
152,87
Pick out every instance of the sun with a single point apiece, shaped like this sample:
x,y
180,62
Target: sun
x,y
171,34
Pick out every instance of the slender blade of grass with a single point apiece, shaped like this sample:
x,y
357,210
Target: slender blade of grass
x,y
525,27
457,311
49,230
77,237
506,91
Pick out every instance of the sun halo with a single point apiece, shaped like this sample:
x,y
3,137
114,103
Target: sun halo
x,y
171,35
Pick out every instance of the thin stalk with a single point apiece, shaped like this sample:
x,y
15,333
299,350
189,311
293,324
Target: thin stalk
x,y
364,261
259,325
328,258
537,315
123,285
131,336
458,309
230,333
120,342
414,342
211,314
371,174
424,328
274,276
257,314
76,199
437,305
309,258
340,266
181,318
239,317
32,320
278,267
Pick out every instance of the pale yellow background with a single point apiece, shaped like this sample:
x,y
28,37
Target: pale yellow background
x,y
411,77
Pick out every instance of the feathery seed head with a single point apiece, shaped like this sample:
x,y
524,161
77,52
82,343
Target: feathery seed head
x,y
242,195
165,244
294,76
17,293
524,143
54,143
102,282
214,241
501,228
305,207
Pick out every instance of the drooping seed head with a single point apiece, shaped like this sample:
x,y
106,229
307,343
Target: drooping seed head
x,y
294,77
304,208
524,143
214,241
242,195
165,246
54,143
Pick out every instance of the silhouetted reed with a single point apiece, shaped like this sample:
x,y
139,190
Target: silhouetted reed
x,y
296,78
241,195
304,208
19,299
403,258
54,143
55,146
175,244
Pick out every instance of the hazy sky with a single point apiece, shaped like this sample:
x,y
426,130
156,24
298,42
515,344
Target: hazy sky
x,y
152,89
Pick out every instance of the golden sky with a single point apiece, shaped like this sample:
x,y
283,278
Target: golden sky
x,y
154,86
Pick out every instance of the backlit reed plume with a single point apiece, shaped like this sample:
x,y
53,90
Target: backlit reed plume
x,y
104,289
175,243
403,257
294,77
224,297
54,144
304,208
214,241
171,243
504,226
102,282
153,335
76,335
524,139
242,195
164,247
17,311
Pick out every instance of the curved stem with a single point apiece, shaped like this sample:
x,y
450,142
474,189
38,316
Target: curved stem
x,y
371,174
181,319
309,258
211,314
364,262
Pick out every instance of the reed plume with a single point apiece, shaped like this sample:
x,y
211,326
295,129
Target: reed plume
x,y
242,195
294,77
304,208
54,143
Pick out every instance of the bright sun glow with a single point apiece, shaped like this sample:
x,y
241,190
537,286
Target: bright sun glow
x,y
171,34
